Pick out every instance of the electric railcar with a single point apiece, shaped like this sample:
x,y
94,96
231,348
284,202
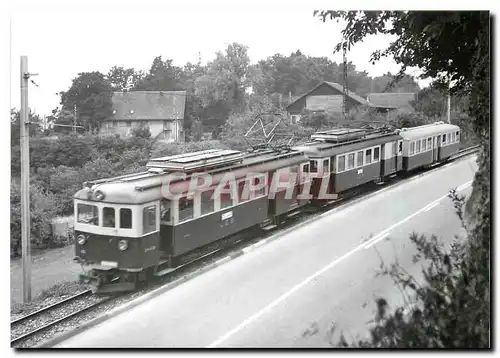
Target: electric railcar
x,y
133,226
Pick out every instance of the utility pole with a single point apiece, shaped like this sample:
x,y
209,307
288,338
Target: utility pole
x,y
25,172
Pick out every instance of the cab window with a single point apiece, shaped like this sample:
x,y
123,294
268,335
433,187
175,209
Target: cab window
x,y
87,214
108,217
125,218
148,219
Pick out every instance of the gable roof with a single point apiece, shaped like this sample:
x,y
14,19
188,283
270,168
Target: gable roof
x,y
148,105
338,87
391,100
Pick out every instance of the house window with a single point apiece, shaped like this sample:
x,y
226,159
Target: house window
x,y
368,156
376,154
341,163
359,162
350,161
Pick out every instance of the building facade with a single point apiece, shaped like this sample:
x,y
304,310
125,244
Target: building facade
x,y
161,111
327,96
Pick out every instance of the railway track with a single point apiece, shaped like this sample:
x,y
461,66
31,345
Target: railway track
x,y
47,317
52,314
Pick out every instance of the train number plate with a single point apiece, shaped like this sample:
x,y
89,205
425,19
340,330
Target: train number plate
x,y
109,263
227,215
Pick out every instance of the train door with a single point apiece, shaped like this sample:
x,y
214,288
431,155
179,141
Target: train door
x,y
435,148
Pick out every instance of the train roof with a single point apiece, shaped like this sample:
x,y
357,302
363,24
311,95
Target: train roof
x,y
146,186
427,130
321,150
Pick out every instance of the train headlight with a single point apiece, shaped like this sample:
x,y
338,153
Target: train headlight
x,y
99,195
122,245
81,239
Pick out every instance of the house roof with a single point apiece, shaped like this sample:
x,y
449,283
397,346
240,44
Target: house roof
x,y
338,87
148,105
391,100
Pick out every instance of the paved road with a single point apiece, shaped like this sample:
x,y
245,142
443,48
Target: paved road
x,y
289,292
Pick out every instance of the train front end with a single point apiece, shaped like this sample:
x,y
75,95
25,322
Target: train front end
x,y
116,237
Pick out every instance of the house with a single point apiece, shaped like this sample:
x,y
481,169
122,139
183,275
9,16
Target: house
x,y
385,102
161,111
327,96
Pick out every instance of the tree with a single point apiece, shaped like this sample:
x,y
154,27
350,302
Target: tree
x,y
15,125
162,76
222,87
122,80
90,94
453,308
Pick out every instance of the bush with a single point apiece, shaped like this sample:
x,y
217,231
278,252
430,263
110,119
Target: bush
x,y
42,210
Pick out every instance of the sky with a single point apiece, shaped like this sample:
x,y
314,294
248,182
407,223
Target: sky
x,y
64,40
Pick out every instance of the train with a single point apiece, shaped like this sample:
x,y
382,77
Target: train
x,y
132,227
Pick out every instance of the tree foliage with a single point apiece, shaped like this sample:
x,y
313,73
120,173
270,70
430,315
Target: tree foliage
x,y
90,95
453,308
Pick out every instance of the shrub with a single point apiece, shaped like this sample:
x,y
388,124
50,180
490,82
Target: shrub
x,y
42,210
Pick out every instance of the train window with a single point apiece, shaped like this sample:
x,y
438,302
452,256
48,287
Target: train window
x,y
148,219
412,147
125,218
165,210
418,147
87,214
444,139
376,154
400,150
243,195
258,182
453,137
341,163
325,166
458,136
423,145
294,169
429,143
226,196
314,166
108,217
368,156
359,161
186,209
306,168
207,202
394,148
350,161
